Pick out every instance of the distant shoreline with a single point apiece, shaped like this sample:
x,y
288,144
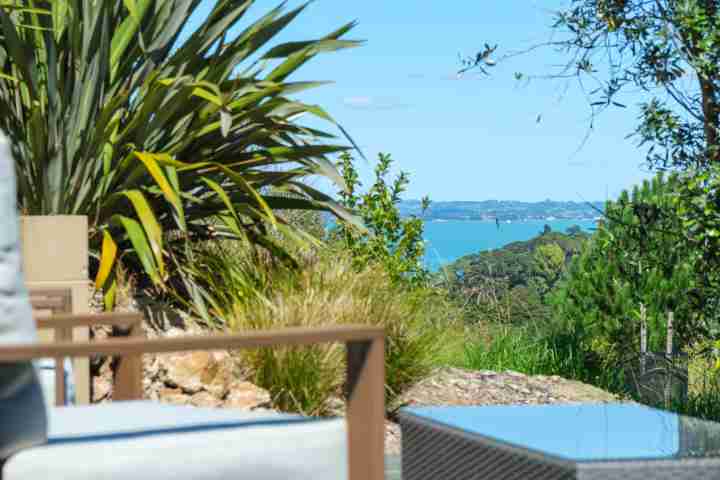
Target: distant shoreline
x,y
502,221
503,211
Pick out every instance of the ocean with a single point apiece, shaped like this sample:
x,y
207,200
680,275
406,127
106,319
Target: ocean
x,y
448,240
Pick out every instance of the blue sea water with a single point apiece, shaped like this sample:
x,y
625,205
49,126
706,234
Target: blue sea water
x,y
446,241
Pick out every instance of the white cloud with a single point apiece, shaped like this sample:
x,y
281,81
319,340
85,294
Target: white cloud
x,y
362,102
358,101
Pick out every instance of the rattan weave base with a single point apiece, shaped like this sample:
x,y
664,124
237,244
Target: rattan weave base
x,y
432,451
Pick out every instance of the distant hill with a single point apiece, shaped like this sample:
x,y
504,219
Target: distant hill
x,y
512,283
514,261
504,210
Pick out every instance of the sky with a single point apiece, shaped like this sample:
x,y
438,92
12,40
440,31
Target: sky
x,y
469,138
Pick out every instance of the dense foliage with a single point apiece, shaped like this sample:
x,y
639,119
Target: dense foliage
x,y
330,291
358,276
511,284
388,238
637,258
161,139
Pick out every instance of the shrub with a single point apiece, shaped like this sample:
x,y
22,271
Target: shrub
x,y
330,291
394,242
538,348
223,273
704,404
513,284
636,258
515,348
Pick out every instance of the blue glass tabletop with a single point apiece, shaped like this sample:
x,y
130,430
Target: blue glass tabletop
x,y
586,432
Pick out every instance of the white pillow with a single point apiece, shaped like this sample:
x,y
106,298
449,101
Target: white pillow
x,y
22,410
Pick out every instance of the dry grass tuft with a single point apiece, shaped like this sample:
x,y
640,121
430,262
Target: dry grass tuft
x,y
328,291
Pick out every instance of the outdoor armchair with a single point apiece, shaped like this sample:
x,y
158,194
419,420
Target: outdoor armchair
x,y
150,440
147,440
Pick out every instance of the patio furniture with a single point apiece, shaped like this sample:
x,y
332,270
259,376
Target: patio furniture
x,y
586,441
55,272
151,440
58,385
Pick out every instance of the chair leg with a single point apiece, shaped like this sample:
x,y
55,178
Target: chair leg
x,y
366,409
128,376
61,335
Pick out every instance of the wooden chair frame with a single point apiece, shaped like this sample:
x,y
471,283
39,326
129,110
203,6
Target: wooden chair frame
x,y
365,369
48,303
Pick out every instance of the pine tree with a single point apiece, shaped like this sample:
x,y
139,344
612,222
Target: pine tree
x,y
637,257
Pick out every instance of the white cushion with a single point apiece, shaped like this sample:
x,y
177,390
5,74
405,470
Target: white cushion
x,y
142,440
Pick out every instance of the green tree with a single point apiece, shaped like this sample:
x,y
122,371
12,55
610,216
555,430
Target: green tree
x,y
548,266
573,230
162,142
635,258
511,284
668,49
660,45
395,242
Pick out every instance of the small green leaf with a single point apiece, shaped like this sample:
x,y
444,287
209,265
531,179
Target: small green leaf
x,y
150,225
140,244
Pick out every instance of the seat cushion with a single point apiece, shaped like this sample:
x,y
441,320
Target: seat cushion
x,y
142,440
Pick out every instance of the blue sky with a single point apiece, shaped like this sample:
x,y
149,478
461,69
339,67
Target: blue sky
x,y
472,138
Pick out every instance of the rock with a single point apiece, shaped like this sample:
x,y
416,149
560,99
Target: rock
x,y
205,399
247,396
175,332
102,383
174,396
102,388
392,438
335,407
220,378
209,379
191,372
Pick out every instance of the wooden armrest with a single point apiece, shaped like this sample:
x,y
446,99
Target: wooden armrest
x,y
66,320
365,387
129,378
134,346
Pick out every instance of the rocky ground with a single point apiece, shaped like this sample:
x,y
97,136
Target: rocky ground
x,y
207,379
203,379
455,386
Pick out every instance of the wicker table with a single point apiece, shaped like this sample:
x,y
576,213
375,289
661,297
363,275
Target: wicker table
x,y
554,442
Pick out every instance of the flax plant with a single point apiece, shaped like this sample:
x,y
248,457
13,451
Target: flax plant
x,y
161,139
